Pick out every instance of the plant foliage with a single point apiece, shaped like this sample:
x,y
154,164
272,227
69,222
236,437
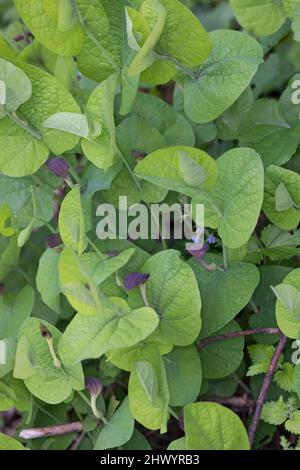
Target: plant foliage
x,y
162,101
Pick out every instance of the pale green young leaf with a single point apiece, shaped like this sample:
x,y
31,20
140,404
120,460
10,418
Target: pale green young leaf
x,y
288,305
71,222
283,200
103,47
148,379
35,365
288,296
145,57
126,358
151,414
63,34
16,87
47,279
117,327
23,137
9,345
79,277
72,123
100,106
191,45
164,169
274,176
25,234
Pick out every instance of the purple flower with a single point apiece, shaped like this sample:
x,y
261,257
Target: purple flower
x,y
25,36
211,240
198,235
199,254
112,254
138,154
59,166
135,279
93,386
54,240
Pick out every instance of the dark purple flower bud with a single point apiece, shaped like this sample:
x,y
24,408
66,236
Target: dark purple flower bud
x,y
112,254
211,240
2,288
135,279
19,38
59,166
45,332
93,386
199,254
138,154
181,420
23,37
54,240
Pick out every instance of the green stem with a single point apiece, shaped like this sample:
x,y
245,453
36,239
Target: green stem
x,y
93,245
225,257
74,174
254,306
172,413
144,294
50,415
91,404
84,397
97,413
69,183
137,183
24,125
57,363
79,415
24,275
181,67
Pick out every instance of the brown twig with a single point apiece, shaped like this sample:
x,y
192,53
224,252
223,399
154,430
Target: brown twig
x,y
77,441
237,334
238,402
34,433
265,387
